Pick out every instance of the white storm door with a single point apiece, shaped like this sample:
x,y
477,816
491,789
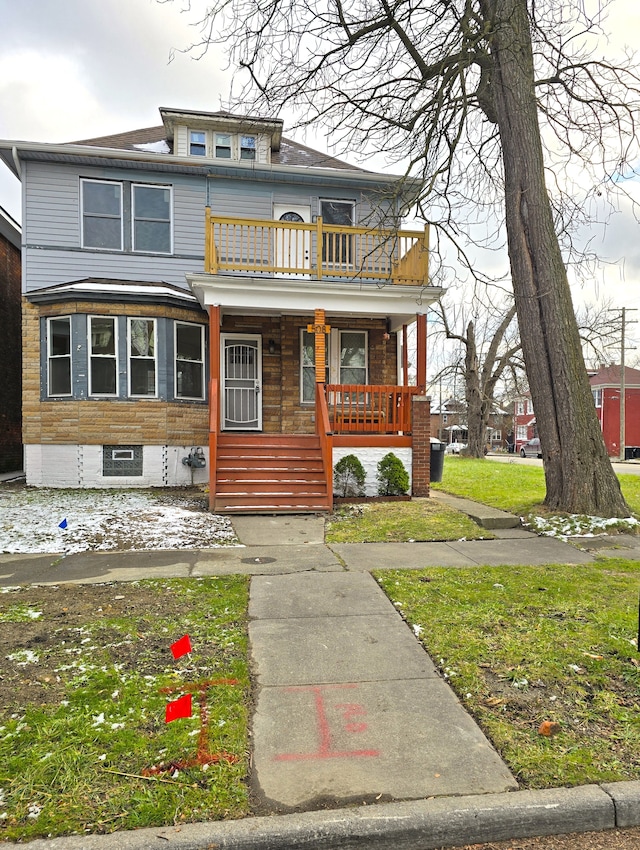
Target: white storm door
x,y
292,249
241,382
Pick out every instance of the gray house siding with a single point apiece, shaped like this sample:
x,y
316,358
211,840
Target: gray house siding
x,y
54,254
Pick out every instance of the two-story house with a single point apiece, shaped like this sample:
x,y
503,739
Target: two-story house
x,y
10,344
524,421
607,387
208,301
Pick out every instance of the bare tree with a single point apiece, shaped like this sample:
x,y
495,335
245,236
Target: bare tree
x,y
490,344
466,92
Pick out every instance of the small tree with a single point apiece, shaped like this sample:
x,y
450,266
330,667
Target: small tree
x,y
348,477
393,478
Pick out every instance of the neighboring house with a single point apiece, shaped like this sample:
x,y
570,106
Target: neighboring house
x,y
209,301
10,345
449,424
606,390
524,421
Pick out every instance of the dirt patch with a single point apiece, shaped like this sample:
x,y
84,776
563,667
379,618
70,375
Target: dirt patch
x,y
43,632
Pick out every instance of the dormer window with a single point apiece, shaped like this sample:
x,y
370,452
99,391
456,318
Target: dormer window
x,y
223,146
247,147
197,143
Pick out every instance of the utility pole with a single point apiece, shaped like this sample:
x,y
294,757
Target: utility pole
x,y
623,320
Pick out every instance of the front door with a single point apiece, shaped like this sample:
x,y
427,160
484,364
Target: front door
x,y
292,247
241,363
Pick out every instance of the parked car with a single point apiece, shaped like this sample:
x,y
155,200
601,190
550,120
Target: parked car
x,y
531,449
455,448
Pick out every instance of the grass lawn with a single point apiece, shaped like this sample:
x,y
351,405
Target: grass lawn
x,y
400,522
515,487
523,645
85,676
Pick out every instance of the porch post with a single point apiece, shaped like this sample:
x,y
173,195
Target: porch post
x,y
421,365
214,398
421,445
320,329
405,357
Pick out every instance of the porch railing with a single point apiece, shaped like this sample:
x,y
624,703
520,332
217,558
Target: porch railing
x,y
369,408
316,250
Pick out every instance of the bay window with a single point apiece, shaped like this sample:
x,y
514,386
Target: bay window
x,y
142,357
103,368
59,356
189,360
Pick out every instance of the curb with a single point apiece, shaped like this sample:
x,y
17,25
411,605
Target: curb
x,y
415,825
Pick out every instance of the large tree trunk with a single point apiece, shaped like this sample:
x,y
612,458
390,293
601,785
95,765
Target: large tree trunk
x,y
477,406
578,473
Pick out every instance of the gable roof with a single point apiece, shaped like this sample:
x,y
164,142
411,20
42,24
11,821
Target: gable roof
x,y
609,376
10,229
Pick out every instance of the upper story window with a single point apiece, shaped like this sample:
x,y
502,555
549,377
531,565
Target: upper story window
x,y
152,219
247,147
59,356
102,215
103,365
189,366
223,145
521,408
597,397
146,208
142,357
197,143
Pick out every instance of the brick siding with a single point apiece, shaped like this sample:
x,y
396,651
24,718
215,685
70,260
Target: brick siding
x,y
421,456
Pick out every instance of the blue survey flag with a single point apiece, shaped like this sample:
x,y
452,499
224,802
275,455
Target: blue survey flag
x,y
63,524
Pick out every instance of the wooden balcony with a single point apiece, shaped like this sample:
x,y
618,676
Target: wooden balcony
x,y
316,251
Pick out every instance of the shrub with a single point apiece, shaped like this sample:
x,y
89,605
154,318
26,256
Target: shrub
x,y
393,478
348,477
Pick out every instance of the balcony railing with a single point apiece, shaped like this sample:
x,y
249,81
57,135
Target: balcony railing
x,y
318,250
369,408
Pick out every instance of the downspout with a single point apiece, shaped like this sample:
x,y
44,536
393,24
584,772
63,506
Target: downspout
x,y
16,161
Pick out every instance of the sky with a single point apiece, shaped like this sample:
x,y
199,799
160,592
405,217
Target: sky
x,y
77,69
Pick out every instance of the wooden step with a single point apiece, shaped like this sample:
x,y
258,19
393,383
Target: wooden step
x,y
270,473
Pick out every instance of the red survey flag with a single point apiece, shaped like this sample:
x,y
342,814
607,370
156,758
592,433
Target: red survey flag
x,y
178,708
181,647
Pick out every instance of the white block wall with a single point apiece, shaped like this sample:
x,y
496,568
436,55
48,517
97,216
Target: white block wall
x,y
81,466
369,458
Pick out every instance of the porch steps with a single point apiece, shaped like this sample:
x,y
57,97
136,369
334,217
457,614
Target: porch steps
x,y
270,473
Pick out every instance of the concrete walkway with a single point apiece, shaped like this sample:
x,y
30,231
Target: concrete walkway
x,y
349,705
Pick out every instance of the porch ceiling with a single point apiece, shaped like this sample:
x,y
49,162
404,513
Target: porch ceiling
x,y
290,296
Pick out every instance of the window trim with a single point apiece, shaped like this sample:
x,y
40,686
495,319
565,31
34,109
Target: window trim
x,y
51,357
232,145
202,361
130,357
304,331
83,182
366,352
163,187
91,355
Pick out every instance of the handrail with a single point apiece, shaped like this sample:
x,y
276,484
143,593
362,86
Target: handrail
x,y
319,250
214,419
370,408
323,430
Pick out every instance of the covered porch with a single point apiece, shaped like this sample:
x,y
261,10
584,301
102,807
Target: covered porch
x,y
301,366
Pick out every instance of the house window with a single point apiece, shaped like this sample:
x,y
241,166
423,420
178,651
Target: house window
x,y
597,397
353,357
59,356
103,368
102,215
189,366
247,147
308,366
337,247
223,146
520,408
152,219
521,432
197,143
106,205
121,461
142,357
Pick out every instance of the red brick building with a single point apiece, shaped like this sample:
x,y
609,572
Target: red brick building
x,y
605,386
10,345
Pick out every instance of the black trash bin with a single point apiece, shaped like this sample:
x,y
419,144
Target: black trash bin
x,y
436,459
